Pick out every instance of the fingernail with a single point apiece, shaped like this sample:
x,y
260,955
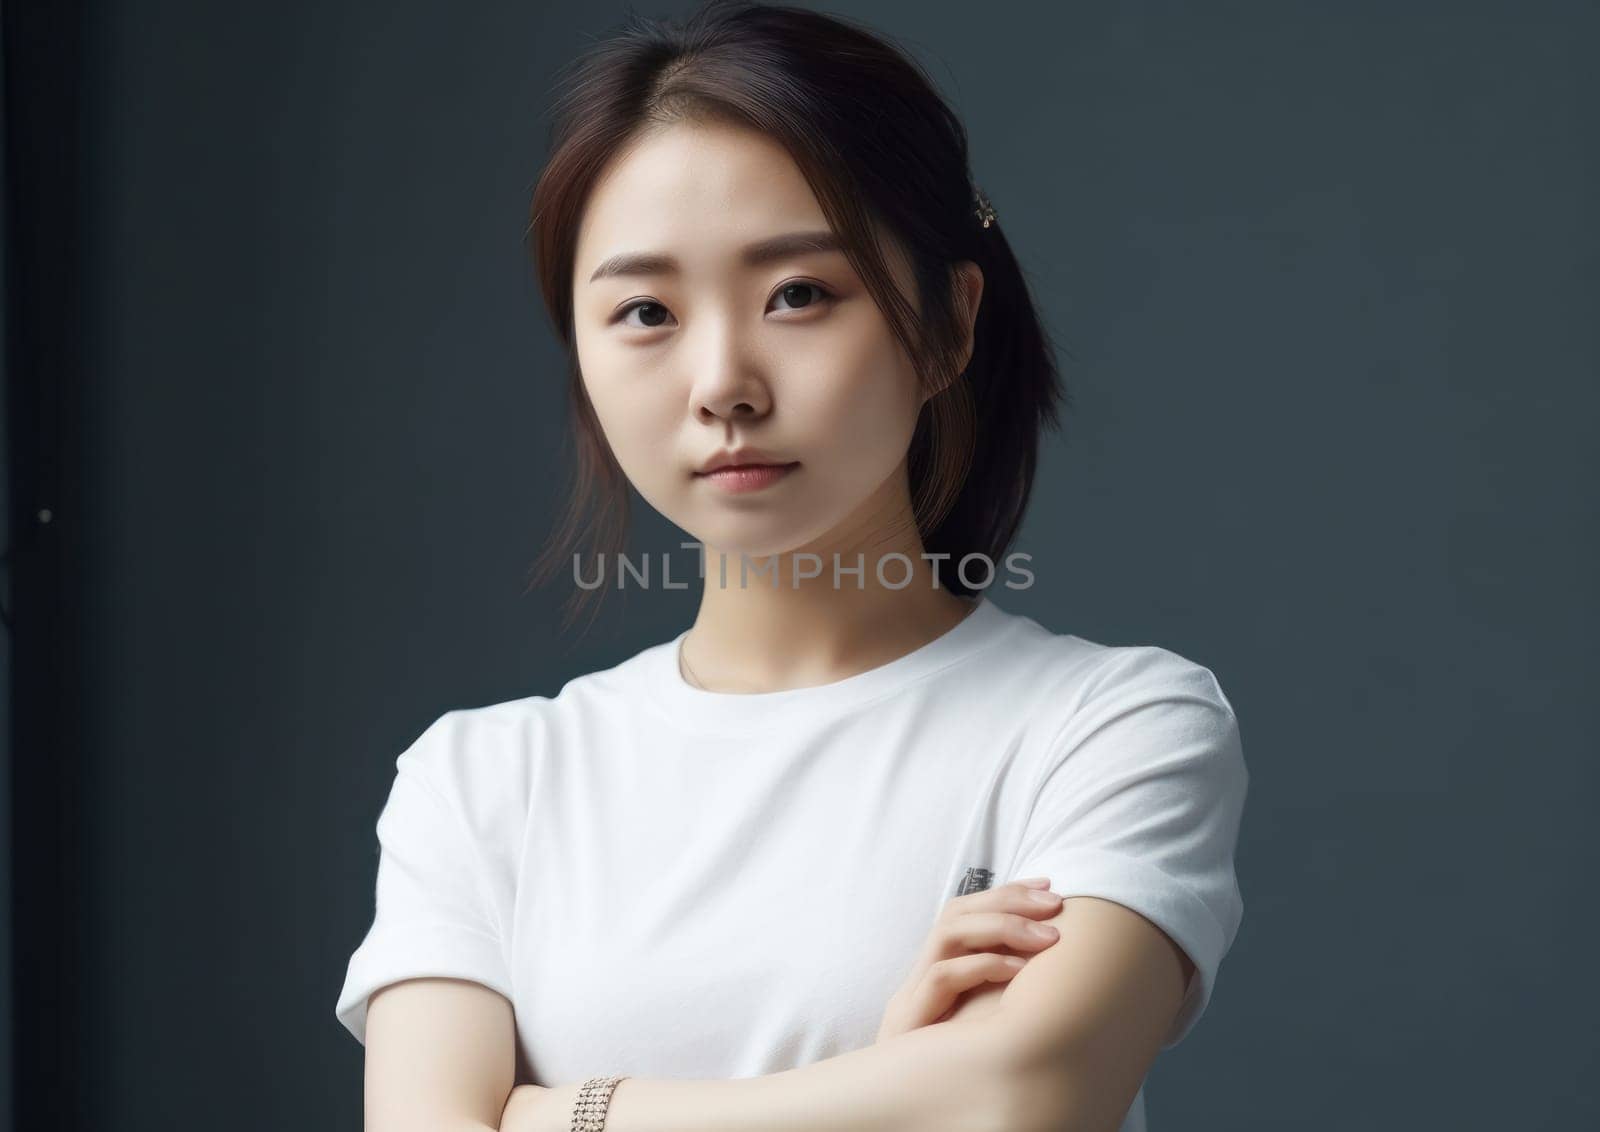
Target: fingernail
x,y
1036,882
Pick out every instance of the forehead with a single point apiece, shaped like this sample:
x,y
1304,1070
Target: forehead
x,y
694,189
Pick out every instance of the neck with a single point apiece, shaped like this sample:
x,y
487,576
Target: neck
x,y
772,627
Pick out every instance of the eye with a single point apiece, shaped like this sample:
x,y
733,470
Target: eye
x,y
653,315
790,291
653,310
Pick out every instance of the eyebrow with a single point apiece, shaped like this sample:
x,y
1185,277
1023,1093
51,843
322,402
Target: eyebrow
x,y
777,247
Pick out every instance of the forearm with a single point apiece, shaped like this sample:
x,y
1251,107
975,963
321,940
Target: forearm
x,y
949,1077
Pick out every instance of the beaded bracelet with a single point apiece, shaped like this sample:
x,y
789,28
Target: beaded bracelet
x,y
589,1113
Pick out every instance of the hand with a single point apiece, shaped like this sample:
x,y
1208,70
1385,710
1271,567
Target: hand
x,y
961,951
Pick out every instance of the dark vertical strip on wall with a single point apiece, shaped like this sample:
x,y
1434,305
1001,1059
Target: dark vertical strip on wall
x,y
7,672
44,364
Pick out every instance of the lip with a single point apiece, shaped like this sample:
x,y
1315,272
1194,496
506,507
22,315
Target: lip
x,y
741,457
740,478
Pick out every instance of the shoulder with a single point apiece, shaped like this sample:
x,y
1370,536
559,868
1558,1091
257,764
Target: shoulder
x,y
1152,670
1104,716
1149,714
480,762
1077,673
464,746
497,749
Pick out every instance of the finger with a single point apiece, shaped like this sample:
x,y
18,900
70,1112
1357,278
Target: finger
x,y
948,979
1020,901
1005,896
989,931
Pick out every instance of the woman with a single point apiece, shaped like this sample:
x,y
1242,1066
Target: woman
x,y
783,870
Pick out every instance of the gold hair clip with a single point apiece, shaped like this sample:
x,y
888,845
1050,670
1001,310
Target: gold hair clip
x,y
984,211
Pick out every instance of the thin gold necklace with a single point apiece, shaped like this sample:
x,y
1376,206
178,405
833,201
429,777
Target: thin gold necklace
x,y
685,670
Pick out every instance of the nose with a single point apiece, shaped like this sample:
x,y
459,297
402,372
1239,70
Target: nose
x,y
729,385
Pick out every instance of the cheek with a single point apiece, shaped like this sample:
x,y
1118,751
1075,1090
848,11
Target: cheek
x,y
861,407
637,420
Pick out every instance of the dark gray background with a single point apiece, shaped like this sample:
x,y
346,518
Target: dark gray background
x,y
1328,279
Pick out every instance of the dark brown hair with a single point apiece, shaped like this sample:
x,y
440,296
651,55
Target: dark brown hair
x,y
878,146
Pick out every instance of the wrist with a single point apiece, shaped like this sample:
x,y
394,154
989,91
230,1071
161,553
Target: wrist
x,y
539,1108
555,1114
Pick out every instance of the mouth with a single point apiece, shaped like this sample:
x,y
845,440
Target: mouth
x,y
741,478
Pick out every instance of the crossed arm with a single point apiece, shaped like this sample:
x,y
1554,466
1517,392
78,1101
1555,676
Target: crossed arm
x,y
1062,1047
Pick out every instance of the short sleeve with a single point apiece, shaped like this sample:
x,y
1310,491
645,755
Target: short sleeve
x,y
1139,801
431,917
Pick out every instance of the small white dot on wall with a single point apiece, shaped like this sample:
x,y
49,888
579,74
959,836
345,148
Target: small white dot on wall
x,y
44,515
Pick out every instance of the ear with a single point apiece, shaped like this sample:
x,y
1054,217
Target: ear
x,y
966,281
967,278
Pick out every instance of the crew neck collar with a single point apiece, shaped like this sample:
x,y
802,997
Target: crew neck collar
x,y
726,712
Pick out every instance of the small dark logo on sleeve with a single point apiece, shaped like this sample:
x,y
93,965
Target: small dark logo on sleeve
x,y
976,880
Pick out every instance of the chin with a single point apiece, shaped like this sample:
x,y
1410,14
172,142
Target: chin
x,y
764,536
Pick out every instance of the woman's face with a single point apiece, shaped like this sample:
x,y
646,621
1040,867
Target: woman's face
x,y
708,348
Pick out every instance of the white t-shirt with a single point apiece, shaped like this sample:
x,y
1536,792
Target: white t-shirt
x,y
671,882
